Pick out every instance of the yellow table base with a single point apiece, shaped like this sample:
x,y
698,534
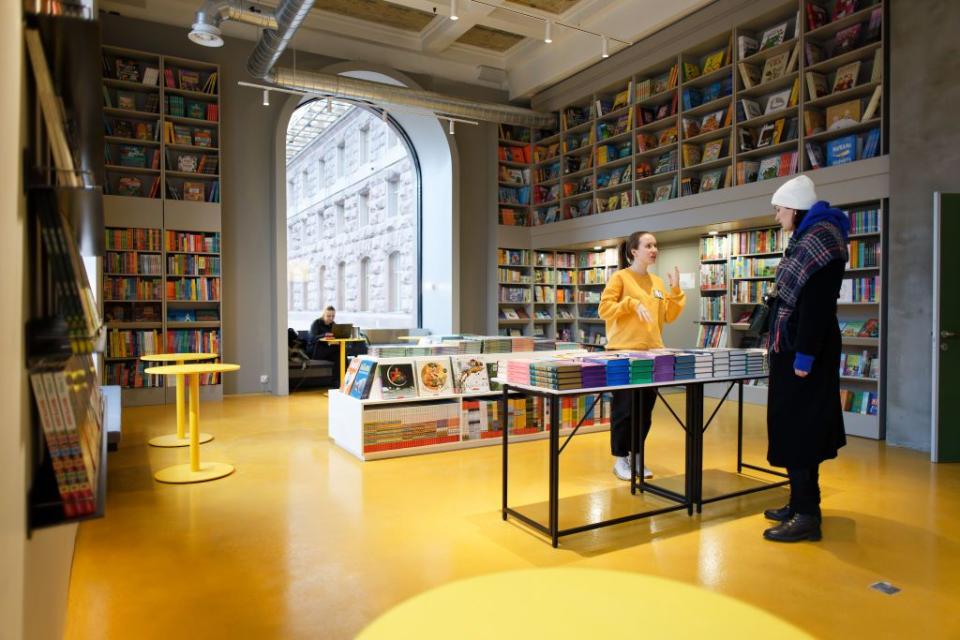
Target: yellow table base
x,y
172,440
184,474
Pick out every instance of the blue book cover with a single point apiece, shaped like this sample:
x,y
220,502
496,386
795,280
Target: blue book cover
x,y
841,150
872,144
364,380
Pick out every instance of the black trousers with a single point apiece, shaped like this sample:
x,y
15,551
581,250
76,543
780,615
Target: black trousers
x,y
620,419
805,490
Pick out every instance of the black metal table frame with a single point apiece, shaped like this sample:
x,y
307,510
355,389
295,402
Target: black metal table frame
x,y
693,426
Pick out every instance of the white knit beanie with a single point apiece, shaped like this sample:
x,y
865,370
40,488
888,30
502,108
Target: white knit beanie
x,y
799,193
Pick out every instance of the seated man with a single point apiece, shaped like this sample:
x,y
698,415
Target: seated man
x,y
322,328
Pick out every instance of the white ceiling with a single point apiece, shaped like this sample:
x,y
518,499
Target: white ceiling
x,y
522,70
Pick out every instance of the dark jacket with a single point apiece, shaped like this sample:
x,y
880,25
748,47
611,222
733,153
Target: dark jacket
x,y
319,328
804,418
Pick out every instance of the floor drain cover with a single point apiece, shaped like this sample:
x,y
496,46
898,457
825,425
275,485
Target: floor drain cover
x,y
885,587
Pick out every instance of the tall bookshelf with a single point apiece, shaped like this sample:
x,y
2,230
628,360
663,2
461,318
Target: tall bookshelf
x,y
564,292
691,124
748,260
515,156
161,278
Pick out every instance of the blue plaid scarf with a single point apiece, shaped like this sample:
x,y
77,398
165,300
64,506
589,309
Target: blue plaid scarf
x,y
820,239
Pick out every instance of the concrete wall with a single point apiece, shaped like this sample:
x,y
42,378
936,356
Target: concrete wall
x,y
924,156
249,188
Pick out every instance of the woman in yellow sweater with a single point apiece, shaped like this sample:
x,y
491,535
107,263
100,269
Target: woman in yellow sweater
x,y
635,306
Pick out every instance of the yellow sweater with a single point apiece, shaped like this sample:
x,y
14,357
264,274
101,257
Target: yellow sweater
x,y
618,306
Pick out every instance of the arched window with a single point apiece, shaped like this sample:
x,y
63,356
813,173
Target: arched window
x,y
341,285
365,284
393,282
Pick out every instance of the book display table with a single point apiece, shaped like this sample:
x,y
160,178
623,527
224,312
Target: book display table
x,y
194,471
693,425
343,351
179,439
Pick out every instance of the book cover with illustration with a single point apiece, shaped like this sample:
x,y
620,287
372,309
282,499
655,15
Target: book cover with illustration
x,y
397,381
349,375
470,375
363,381
433,376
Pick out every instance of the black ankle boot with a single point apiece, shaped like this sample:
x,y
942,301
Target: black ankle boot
x,y
799,527
780,515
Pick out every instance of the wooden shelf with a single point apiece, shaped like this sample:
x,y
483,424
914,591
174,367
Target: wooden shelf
x,y
720,104
663,123
789,112
831,64
658,98
769,150
760,57
860,127
191,147
831,28
700,138
194,121
116,168
710,78
113,83
860,91
130,113
131,141
189,93
705,166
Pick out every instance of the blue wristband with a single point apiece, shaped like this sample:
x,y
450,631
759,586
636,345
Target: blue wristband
x,y
803,362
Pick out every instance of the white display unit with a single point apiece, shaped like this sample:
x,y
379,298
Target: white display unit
x,y
345,413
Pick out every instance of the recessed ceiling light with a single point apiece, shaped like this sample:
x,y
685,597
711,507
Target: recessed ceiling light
x,y
548,31
597,248
604,47
453,10
713,233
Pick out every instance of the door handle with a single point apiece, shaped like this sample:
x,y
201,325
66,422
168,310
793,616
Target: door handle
x,y
948,334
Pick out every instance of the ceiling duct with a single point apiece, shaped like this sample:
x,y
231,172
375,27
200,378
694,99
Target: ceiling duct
x,y
279,27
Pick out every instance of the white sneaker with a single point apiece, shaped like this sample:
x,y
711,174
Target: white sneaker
x,y
621,468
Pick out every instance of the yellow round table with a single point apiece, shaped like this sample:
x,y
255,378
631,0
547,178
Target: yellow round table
x,y
575,603
195,471
343,351
178,439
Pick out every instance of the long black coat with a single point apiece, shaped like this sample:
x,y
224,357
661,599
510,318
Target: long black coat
x,y
804,417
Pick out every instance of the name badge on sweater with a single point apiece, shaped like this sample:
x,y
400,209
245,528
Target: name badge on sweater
x,y
658,294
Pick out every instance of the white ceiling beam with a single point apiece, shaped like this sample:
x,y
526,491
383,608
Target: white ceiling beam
x,y
443,32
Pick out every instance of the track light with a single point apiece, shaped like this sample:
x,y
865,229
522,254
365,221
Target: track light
x,y
384,115
548,31
604,47
329,106
453,10
452,129
266,97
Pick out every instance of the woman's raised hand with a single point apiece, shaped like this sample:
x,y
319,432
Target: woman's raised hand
x,y
673,279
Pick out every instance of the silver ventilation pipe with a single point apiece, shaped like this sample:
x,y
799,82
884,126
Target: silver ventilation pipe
x,y
279,27
356,89
206,24
290,15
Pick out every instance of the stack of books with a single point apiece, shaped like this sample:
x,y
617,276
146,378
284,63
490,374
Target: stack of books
x,y
662,367
738,362
593,374
545,344
721,363
703,364
756,362
617,369
496,345
518,371
556,374
684,366
642,369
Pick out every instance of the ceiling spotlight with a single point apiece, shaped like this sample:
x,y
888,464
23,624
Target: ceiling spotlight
x,y
205,35
597,248
548,31
266,97
453,10
604,47
713,233
452,128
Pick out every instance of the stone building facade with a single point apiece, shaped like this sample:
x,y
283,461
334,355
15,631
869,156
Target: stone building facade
x,y
352,198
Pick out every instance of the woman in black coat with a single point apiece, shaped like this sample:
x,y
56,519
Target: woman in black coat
x,y
804,418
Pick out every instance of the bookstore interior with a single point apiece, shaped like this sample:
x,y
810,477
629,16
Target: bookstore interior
x,y
402,259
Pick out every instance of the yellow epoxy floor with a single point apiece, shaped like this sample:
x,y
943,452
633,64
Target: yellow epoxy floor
x,y
305,541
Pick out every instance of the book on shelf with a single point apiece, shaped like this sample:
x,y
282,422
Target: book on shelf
x,y
816,16
846,77
871,145
843,115
773,36
843,8
775,67
397,381
127,70
876,72
711,122
814,53
433,376
364,379
712,150
845,40
778,101
747,171
814,121
150,76
714,61
193,191
751,108
210,86
746,47
746,140
189,79
692,155
711,180
817,86
873,104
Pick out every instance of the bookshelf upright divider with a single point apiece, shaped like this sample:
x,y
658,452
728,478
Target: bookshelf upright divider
x,y
183,142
